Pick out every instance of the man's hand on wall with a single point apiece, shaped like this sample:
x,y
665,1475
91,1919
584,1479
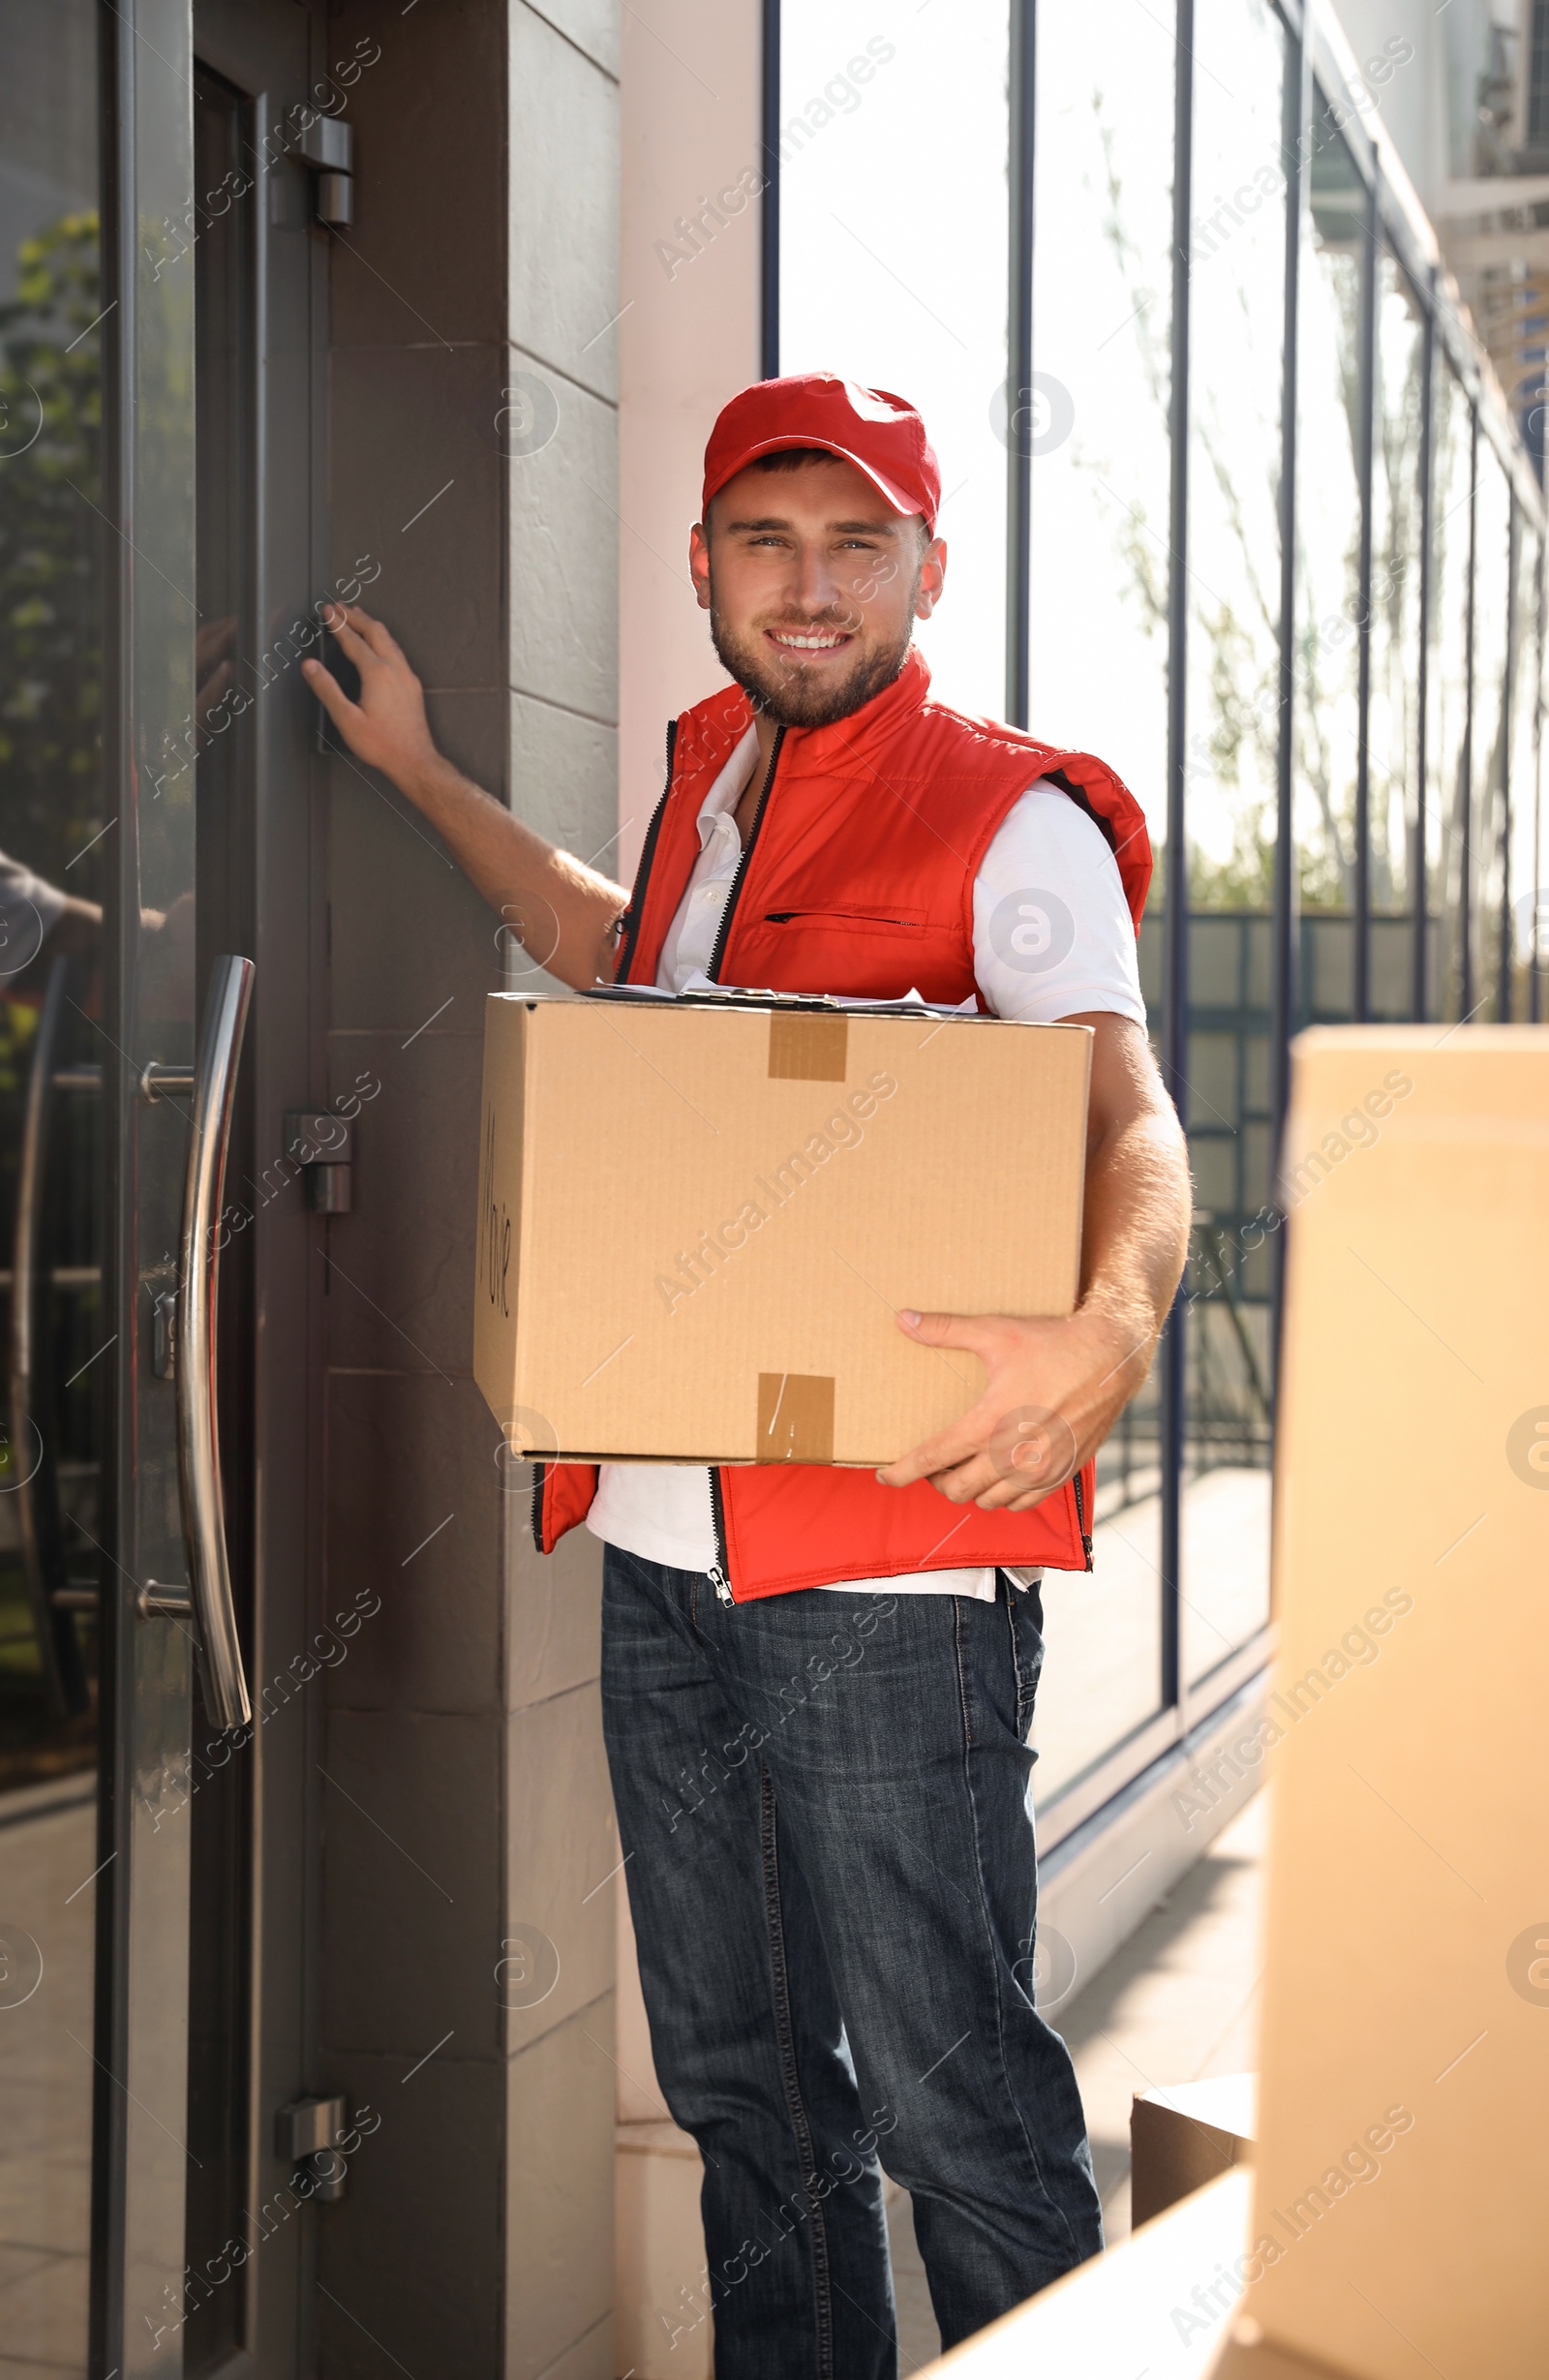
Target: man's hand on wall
x,y
386,728
562,911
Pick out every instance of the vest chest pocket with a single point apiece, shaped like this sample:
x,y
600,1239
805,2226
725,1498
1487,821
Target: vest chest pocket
x,y
859,951
887,917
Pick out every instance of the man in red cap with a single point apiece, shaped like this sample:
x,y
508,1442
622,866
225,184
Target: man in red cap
x,y
818,1684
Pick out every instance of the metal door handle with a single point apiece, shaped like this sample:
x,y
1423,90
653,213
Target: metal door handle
x,y
198,1450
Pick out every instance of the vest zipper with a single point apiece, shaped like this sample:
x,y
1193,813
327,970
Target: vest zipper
x,y
718,1577
738,880
1081,1518
647,852
539,1473
719,1572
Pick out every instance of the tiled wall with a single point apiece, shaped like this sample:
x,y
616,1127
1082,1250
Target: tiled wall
x,y
465,1808
689,339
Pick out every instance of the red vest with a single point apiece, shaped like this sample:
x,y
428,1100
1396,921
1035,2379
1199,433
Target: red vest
x,y
857,878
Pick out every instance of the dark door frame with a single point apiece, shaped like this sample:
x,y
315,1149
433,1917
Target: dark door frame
x,y
262,893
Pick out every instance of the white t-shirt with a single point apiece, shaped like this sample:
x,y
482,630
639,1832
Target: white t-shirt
x,y
1052,937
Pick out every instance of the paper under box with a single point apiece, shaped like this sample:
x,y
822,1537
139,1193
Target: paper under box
x,y
697,1221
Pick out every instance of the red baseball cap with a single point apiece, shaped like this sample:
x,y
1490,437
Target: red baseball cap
x,y
880,434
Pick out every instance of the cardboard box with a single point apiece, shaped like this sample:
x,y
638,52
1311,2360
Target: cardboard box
x,y
1401,2187
1183,2135
1130,2313
697,1219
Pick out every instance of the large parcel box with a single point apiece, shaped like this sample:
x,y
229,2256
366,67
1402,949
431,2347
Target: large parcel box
x,y
1402,2188
698,1219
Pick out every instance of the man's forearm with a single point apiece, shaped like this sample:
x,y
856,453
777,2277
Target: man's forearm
x,y
1076,1375
1135,1224
562,911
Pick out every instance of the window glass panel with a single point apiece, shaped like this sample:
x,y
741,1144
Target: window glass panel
x,y
1102,347
1446,754
1236,297
1101,471
1326,712
1527,904
903,294
1393,718
52,822
1103,1633
1487,771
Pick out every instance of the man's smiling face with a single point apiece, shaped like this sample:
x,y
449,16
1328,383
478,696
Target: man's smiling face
x,y
813,583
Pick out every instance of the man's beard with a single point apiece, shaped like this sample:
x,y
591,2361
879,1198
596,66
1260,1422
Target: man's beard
x,y
792,697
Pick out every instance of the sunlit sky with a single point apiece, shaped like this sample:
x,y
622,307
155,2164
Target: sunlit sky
x,y
894,272
894,226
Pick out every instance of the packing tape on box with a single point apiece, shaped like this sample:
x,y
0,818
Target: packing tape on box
x,y
807,1049
794,1414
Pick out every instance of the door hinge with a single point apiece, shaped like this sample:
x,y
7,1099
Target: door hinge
x,y
322,1144
329,146
307,2135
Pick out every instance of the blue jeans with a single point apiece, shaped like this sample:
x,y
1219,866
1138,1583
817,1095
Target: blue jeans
x,y
826,1811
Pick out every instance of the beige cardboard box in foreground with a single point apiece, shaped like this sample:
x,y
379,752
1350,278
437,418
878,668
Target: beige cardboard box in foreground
x,y
1401,2196
697,1221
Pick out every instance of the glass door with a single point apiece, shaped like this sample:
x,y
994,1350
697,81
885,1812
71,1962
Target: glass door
x,y
55,1312
158,271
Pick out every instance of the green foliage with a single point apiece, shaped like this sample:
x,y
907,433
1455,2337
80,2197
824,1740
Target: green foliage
x,y
50,553
1243,881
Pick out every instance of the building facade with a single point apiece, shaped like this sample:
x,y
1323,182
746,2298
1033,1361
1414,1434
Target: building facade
x,y
321,2045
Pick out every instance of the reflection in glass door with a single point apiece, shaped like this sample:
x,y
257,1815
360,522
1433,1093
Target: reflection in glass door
x,y
133,785
52,1311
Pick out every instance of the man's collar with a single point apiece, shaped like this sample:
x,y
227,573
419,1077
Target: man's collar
x,y
811,751
730,785
806,751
